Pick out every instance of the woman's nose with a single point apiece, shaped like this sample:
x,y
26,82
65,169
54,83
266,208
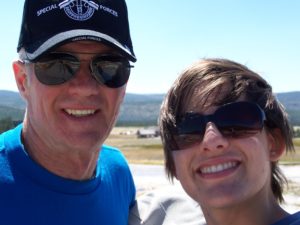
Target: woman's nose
x,y
213,139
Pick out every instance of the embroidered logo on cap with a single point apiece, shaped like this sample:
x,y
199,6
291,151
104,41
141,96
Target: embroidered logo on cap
x,y
79,9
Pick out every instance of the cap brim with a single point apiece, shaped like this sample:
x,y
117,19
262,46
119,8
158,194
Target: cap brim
x,y
36,50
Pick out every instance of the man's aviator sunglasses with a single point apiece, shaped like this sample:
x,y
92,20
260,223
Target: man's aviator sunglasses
x,y
235,120
57,68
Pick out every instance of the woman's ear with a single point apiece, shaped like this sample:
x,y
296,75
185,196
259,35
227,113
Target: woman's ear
x,y
21,77
276,144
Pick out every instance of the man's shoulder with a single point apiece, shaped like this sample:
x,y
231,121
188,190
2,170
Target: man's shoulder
x,y
293,219
2,146
2,139
12,135
110,149
113,167
9,137
112,157
111,152
8,142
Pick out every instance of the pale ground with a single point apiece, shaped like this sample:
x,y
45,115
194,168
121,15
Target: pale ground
x,y
151,177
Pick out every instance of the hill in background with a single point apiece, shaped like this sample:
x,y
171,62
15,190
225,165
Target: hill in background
x,y
138,109
11,99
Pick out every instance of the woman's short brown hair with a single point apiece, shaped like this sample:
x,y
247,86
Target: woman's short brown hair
x,y
211,75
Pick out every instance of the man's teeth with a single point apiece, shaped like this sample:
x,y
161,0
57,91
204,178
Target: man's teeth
x,y
76,112
218,168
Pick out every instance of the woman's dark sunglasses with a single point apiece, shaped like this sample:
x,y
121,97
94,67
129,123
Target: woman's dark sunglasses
x,y
236,120
57,68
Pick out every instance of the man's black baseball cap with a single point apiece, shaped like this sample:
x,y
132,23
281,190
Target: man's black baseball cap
x,y
47,24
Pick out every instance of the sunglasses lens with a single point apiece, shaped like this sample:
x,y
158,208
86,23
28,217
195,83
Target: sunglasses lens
x,y
111,71
236,120
190,131
56,68
184,141
191,123
240,115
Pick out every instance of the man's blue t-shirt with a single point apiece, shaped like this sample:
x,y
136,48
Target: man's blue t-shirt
x,y
293,219
31,195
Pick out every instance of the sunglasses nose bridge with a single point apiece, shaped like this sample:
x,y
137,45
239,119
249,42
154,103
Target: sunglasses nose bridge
x,y
209,119
95,73
213,139
85,67
91,69
84,71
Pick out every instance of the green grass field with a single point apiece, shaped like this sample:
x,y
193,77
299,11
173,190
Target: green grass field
x,y
136,150
149,150
293,157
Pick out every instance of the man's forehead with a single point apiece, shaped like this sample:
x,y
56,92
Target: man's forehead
x,y
85,45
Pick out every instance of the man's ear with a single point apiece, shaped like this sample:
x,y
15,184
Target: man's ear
x,y
21,78
276,144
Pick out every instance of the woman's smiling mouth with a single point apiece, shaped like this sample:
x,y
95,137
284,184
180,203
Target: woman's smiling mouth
x,y
218,168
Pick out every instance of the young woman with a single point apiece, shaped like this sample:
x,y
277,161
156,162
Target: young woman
x,y
223,133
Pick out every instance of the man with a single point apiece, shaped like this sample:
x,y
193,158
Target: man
x,y
72,72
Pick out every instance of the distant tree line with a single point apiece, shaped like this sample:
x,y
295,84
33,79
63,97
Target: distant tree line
x,y
7,124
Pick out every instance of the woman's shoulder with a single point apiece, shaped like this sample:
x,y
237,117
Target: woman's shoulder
x,y
166,206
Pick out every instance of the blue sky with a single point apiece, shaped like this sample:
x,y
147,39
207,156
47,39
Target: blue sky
x,y
169,35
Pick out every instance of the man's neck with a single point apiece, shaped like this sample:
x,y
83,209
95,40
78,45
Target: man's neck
x,y
68,163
